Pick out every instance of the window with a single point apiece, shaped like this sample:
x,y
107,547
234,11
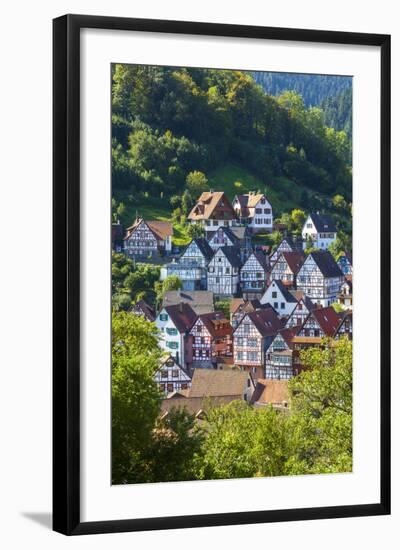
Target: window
x,y
309,226
300,307
170,388
252,355
316,332
175,373
172,345
171,331
252,342
208,222
263,200
227,270
246,328
282,305
184,386
217,279
267,210
162,387
258,275
163,317
215,222
276,305
306,332
239,341
267,221
198,328
211,270
274,294
239,355
258,210
164,374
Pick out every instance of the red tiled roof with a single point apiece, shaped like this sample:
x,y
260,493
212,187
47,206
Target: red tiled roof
x,y
182,316
328,319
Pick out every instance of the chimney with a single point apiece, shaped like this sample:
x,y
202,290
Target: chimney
x,y
181,307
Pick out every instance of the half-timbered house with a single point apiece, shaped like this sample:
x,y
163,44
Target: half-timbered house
x,y
279,297
345,327
142,309
319,230
171,376
191,268
148,238
286,267
255,211
212,338
223,271
254,276
321,322
301,311
174,324
251,338
212,210
320,278
288,244
279,355
345,296
223,236
239,307
345,263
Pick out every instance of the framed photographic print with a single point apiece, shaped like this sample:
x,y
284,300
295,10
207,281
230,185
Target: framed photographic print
x,y
221,274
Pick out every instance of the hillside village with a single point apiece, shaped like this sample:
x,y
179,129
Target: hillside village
x,y
281,301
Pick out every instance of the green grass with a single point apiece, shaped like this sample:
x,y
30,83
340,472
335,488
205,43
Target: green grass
x,y
283,194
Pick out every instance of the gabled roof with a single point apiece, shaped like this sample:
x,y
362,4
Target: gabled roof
x,y
201,301
344,316
161,230
213,383
145,309
326,264
248,202
207,203
172,359
216,324
232,254
323,223
203,246
327,318
182,315
228,232
293,259
240,231
244,305
285,292
302,296
270,392
266,321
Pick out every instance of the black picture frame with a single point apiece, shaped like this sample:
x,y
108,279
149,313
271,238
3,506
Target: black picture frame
x,y
66,272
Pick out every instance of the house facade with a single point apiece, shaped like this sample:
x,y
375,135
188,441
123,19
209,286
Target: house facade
x,y
345,296
191,267
142,309
300,313
171,376
320,278
320,230
279,356
223,271
287,244
345,327
252,337
174,323
345,263
286,267
254,276
212,210
320,323
212,338
148,239
279,297
254,211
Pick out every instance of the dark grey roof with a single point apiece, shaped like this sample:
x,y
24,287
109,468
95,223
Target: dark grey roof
x,y
232,253
296,244
285,292
261,257
228,232
323,223
241,232
204,248
326,263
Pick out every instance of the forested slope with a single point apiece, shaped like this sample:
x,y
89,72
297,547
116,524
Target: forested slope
x,y
169,122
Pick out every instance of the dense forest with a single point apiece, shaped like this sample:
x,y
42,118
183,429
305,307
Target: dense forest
x,y
338,111
313,88
170,122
